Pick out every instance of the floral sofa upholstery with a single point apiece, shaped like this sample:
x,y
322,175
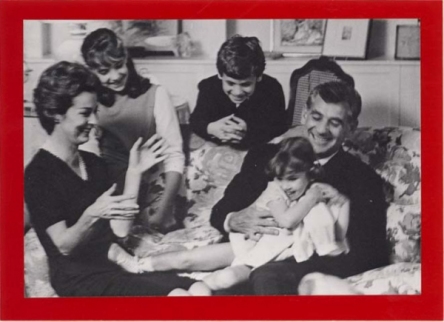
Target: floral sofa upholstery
x,y
394,152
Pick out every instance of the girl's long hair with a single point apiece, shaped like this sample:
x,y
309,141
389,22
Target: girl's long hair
x,y
102,47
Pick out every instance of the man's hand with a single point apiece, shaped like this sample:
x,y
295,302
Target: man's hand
x,y
253,223
228,129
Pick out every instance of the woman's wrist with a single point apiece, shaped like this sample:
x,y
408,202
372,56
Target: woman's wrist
x,y
133,171
88,218
132,181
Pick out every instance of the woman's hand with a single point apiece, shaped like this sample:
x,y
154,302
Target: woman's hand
x,y
146,156
113,207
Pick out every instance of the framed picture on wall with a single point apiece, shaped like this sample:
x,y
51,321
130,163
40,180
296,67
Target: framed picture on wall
x,y
148,37
304,36
407,42
346,38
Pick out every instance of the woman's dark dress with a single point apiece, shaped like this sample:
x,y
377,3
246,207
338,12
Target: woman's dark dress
x,y
54,193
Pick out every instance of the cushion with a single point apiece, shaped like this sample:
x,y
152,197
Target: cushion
x,y
37,282
394,152
404,233
401,278
211,168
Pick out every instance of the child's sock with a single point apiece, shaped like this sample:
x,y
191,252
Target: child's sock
x,y
119,256
146,264
227,277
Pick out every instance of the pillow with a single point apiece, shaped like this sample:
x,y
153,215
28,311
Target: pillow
x,y
403,172
402,279
404,233
211,169
37,282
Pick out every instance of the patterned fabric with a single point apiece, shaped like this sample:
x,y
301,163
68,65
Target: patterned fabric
x,y
403,233
146,243
211,169
394,152
401,278
36,268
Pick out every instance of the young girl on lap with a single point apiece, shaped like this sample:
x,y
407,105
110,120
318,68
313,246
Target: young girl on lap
x,y
313,218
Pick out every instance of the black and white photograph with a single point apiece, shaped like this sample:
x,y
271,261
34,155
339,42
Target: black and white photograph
x,y
193,158
299,35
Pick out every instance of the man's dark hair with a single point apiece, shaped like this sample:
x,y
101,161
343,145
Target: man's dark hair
x,y
338,93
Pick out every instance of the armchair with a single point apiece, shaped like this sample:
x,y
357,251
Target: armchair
x,y
303,80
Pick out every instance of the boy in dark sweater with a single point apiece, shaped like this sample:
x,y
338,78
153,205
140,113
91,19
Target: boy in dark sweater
x,y
240,106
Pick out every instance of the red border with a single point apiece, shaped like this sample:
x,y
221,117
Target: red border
x,y
15,306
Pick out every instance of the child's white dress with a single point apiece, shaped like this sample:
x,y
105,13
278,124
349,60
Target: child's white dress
x,y
316,233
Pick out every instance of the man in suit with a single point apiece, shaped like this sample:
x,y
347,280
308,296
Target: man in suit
x,y
331,114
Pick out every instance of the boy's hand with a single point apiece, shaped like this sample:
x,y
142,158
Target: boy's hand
x,y
228,129
237,128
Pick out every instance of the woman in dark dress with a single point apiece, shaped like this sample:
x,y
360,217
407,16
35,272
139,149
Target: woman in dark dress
x,y
70,198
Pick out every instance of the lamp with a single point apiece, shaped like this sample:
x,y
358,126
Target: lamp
x,y
69,49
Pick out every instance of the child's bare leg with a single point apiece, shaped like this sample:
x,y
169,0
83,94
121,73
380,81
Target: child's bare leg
x,y
227,277
199,289
322,284
179,292
118,255
205,258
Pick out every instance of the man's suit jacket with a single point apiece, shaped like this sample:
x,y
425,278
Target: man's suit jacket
x,y
350,176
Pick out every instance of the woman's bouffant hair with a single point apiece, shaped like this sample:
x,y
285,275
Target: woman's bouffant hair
x,y
102,48
295,155
57,87
241,57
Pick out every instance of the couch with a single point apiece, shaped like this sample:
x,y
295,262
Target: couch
x,y
394,152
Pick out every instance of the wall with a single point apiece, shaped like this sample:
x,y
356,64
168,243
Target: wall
x,y
209,34
390,90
